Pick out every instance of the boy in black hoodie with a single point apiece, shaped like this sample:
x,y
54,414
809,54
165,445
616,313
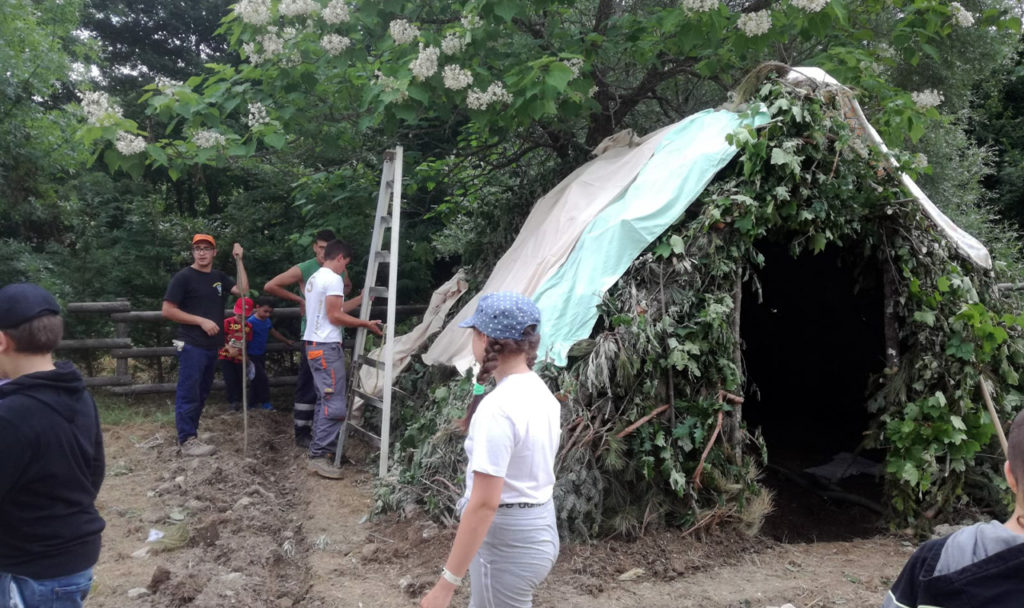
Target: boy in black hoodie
x,y
981,565
51,460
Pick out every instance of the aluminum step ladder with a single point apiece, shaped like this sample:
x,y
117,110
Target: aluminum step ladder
x,y
389,207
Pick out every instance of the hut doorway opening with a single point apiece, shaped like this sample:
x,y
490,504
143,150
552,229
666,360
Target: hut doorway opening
x,y
812,329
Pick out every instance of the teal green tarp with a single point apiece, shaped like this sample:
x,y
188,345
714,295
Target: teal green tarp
x,y
684,164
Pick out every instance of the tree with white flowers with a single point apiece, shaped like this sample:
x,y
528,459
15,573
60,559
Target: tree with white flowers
x,y
493,84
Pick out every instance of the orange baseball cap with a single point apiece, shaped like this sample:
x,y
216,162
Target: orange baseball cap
x,y
203,237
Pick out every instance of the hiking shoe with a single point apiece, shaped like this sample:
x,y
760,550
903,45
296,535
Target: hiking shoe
x,y
266,406
324,467
194,447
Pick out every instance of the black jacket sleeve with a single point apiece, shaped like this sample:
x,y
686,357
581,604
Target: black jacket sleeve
x,y
906,589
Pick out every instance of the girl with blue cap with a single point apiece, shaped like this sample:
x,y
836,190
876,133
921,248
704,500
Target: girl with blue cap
x,y
507,538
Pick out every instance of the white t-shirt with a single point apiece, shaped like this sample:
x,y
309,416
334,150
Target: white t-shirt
x,y
514,434
324,282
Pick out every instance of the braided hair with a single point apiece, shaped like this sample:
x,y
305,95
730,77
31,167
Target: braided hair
x,y
493,352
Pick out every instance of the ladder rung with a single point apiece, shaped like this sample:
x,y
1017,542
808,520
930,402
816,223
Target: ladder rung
x,y
370,362
383,257
375,439
378,292
368,398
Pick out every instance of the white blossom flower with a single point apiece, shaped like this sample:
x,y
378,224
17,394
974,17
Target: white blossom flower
x,y
334,43
257,115
98,108
699,6
811,6
208,139
391,84
576,65
402,31
425,64
272,45
254,56
471,22
291,60
129,144
456,78
288,33
961,15
479,100
592,91
755,24
297,8
336,12
453,43
920,161
254,12
928,98
166,85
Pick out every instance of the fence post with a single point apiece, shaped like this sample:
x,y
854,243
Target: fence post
x,y
123,331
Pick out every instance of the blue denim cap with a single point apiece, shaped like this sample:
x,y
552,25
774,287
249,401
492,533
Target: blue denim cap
x,y
504,315
22,302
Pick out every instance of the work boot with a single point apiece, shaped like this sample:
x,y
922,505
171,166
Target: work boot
x,y
194,447
302,441
324,467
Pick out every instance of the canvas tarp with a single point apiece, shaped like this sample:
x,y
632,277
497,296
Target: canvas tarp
x,y
549,234
630,197
371,378
685,163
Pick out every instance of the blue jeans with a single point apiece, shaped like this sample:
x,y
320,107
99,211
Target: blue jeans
x,y
196,367
62,592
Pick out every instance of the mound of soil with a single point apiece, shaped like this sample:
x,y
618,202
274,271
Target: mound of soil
x,y
254,528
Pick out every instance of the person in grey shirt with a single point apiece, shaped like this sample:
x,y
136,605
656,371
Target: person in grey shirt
x,y
980,565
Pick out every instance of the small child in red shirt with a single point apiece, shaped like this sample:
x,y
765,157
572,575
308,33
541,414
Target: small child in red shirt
x,y
231,354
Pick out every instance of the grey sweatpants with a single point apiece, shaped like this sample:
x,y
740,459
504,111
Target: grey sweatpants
x,y
327,362
519,550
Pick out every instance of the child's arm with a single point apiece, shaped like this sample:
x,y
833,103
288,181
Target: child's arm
x,y
232,342
281,338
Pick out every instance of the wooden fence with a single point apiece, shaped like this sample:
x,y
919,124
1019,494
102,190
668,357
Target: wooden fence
x,y
122,350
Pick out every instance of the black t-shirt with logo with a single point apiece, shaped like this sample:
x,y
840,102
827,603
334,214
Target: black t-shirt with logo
x,y
204,294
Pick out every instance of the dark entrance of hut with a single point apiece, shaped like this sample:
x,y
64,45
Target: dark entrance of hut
x,y
813,338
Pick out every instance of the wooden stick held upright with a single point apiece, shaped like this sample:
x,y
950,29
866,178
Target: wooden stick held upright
x,y
245,381
995,417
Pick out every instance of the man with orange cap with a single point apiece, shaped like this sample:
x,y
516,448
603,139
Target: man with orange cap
x,y
195,299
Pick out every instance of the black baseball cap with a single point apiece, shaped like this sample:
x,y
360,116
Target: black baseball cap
x,y
22,302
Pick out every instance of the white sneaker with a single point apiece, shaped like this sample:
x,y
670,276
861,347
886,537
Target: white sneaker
x,y
194,447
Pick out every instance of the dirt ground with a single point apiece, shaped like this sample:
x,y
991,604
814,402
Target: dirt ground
x,y
259,530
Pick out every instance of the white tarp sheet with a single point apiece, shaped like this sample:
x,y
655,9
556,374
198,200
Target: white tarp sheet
x,y
549,234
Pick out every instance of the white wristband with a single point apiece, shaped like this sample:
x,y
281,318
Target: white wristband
x,y
451,578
